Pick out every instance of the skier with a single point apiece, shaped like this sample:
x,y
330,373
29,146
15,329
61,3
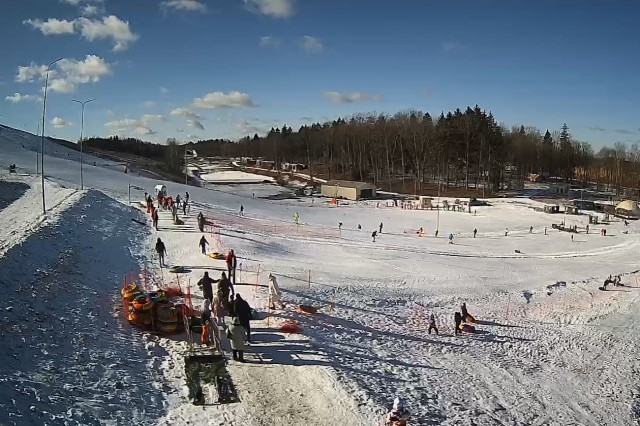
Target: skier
x,y
161,250
450,238
207,289
241,210
432,324
475,232
242,311
373,235
237,337
380,227
232,263
458,320
203,243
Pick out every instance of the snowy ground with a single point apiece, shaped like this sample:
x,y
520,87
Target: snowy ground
x,y
550,349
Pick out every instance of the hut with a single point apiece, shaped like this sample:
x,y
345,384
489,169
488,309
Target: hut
x,y
628,209
347,189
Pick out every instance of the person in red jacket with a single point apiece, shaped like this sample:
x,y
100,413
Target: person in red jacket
x,y
232,262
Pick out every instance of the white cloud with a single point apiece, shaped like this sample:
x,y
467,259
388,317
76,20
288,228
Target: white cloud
x,y
124,124
67,74
271,8
17,97
111,27
349,98
195,124
223,100
91,10
191,136
144,131
52,26
164,90
148,104
311,44
109,112
77,2
59,123
245,128
185,5
268,41
147,118
185,113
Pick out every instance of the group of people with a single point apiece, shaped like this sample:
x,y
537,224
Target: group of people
x,y
166,203
616,281
226,303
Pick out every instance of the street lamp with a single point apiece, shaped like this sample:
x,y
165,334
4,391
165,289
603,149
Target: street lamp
x,y
81,136
44,110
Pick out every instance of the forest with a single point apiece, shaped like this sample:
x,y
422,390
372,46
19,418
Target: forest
x,y
410,151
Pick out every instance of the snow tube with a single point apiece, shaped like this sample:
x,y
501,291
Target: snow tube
x,y
470,318
176,269
167,313
139,318
129,290
466,328
142,303
129,297
307,309
217,256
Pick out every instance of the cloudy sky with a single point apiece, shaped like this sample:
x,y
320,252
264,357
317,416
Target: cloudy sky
x,y
226,68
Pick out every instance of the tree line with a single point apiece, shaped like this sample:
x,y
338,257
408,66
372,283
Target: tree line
x,y
412,151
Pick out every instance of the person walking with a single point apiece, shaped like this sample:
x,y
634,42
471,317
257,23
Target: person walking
x,y
373,235
531,229
161,250
432,324
296,218
154,217
380,228
232,263
184,207
203,243
237,337
275,296
242,311
450,238
475,232
205,284
225,287
201,222
241,210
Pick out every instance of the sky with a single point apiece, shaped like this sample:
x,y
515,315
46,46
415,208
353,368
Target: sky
x,y
199,69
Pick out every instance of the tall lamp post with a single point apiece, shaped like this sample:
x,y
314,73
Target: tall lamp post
x,y
83,103
44,111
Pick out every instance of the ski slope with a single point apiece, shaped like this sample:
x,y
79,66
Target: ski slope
x,y
550,349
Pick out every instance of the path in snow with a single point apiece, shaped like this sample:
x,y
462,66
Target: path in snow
x,y
285,380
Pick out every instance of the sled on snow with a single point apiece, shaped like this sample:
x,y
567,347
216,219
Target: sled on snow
x,y
216,256
308,309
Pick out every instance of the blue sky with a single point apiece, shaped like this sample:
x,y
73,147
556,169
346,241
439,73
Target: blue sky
x,y
227,68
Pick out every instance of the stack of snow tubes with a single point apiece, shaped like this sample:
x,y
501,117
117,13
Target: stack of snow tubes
x,y
166,317
151,310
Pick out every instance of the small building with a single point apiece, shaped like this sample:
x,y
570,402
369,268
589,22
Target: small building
x,y
628,209
559,189
350,190
571,210
552,209
425,202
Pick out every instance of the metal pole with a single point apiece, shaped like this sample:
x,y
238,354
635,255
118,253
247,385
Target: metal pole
x,y
44,110
82,137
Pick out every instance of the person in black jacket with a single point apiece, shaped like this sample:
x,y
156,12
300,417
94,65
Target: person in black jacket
x,y
161,250
203,243
458,321
205,284
242,311
201,222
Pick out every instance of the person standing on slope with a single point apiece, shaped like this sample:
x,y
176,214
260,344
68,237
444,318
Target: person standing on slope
x,y
450,238
205,284
161,250
432,324
373,235
458,320
237,337
242,311
296,218
241,210
475,232
200,221
154,217
203,243
232,263
380,228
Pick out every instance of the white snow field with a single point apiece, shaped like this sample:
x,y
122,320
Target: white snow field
x,y
550,348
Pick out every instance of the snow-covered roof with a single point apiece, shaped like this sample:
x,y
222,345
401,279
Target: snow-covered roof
x,y
630,206
350,184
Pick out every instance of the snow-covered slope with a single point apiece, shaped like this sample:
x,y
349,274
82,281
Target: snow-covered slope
x,y
550,349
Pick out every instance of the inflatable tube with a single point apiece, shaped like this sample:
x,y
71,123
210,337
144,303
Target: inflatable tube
x,y
466,328
142,303
167,315
176,269
167,327
133,287
139,318
470,319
